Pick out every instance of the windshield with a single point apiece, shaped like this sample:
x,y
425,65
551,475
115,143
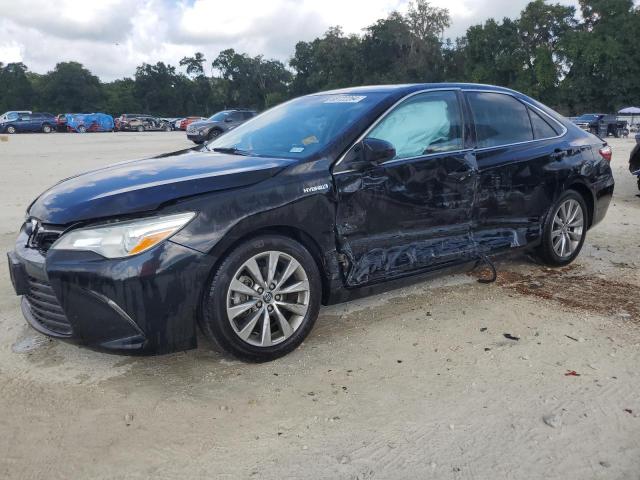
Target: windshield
x,y
299,128
218,117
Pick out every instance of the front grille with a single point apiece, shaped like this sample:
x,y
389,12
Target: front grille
x,y
45,308
42,236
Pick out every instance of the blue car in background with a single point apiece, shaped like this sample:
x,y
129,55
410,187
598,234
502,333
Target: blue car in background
x,y
89,122
24,121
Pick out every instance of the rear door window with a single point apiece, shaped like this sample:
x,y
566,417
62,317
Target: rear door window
x,y
499,119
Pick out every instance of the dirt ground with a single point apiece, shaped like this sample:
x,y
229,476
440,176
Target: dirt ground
x,y
420,382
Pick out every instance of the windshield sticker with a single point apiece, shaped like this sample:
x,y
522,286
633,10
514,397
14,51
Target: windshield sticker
x,y
310,140
296,150
345,99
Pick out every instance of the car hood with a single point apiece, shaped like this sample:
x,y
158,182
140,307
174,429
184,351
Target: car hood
x,y
204,123
144,185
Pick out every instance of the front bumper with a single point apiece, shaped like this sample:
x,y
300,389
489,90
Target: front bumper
x,y
197,137
145,304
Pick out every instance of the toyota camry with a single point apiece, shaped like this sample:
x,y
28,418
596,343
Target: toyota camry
x,y
319,200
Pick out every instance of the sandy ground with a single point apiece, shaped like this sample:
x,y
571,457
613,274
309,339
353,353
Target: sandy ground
x,y
416,383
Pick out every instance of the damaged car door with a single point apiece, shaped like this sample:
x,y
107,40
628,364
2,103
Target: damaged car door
x,y
518,155
413,211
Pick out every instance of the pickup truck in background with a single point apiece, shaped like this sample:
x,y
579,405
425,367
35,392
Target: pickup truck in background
x,y
602,124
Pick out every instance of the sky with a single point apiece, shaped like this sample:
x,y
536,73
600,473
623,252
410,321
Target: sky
x,y
112,37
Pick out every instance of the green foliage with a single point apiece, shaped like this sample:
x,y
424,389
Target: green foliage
x,y
16,91
70,88
573,63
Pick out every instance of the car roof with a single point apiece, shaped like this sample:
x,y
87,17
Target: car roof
x,y
413,87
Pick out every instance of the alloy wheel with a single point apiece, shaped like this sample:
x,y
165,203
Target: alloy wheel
x,y
268,298
567,228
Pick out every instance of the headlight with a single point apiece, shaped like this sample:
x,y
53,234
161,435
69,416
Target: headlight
x,y
124,239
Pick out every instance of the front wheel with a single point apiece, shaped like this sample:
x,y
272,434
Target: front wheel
x,y
82,129
564,230
213,134
46,128
11,129
140,128
263,300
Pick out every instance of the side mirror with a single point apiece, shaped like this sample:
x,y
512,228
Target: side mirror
x,y
376,151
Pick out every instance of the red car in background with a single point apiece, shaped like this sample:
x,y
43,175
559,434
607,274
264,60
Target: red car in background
x,y
186,121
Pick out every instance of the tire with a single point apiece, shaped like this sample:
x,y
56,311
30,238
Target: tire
x,y
213,134
46,128
11,129
240,331
140,128
82,129
167,128
554,250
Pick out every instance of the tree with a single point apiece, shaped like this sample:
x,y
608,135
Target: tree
x,y
332,61
120,97
493,53
542,28
194,65
16,91
250,81
70,87
159,89
426,22
603,63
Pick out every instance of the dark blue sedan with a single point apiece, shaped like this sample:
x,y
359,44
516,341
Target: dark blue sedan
x,y
319,200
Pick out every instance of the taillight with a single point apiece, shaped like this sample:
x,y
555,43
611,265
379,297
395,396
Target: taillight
x,y
605,152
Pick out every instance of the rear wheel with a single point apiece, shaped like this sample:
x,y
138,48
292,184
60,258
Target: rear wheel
x,y
140,128
564,230
263,300
46,128
82,129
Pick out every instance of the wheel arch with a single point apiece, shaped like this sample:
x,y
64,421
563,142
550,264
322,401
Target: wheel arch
x,y
233,239
587,195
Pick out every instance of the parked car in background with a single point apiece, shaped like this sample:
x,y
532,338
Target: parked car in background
x,y
176,125
61,122
217,124
634,160
185,122
142,123
601,124
28,122
321,199
171,121
89,122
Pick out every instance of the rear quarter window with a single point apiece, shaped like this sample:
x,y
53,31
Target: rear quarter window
x,y
499,119
542,128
